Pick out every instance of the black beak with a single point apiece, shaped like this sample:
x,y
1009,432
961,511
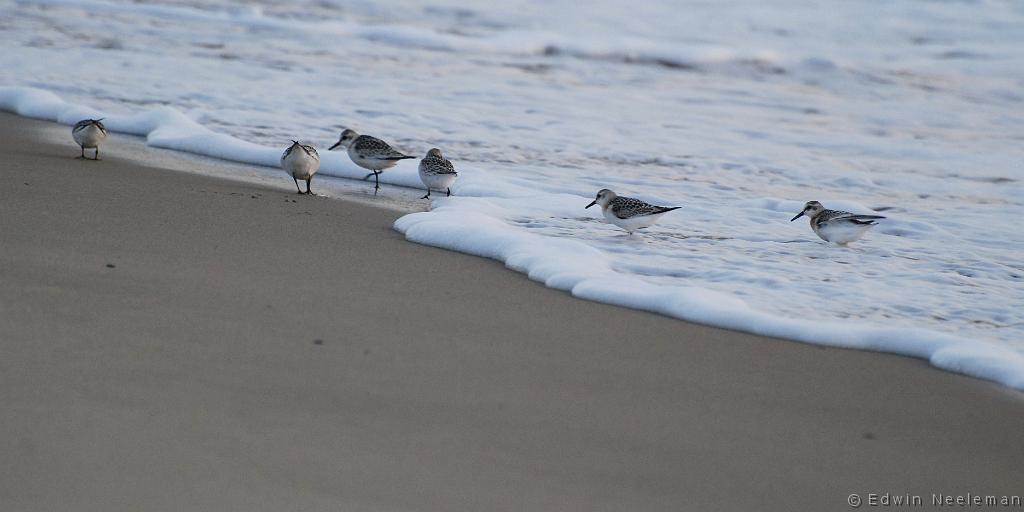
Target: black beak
x,y
336,144
801,214
592,203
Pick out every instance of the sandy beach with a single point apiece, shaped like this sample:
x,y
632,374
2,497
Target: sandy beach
x,y
171,341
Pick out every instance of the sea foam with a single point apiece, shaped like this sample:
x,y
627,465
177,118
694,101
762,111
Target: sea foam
x,y
168,128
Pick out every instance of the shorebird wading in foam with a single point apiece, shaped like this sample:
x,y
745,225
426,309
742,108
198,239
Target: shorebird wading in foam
x,y
301,162
89,133
437,172
836,226
628,213
369,153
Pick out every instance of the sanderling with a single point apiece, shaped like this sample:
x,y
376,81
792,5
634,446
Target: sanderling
x,y
369,153
628,213
834,225
301,162
89,133
437,172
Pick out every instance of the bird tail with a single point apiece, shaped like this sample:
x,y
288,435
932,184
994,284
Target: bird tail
x,y
866,219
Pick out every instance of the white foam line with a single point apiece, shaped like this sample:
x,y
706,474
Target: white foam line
x,y
458,224
167,128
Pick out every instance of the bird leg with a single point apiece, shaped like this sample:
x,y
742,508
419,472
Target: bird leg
x,y
83,153
449,191
309,190
96,156
428,194
296,180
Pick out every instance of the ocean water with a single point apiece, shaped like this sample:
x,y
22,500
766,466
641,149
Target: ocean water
x,y
737,111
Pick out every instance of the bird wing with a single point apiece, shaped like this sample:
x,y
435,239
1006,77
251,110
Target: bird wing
x,y
838,216
372,147
627,207
85,123
441,166
310,150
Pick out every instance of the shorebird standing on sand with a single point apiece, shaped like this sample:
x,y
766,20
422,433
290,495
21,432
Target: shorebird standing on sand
x,y
628,213
89,133
437,172
836,226
301,162
369,153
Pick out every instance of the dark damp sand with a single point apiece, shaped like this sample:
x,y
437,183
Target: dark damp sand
x,y
174,342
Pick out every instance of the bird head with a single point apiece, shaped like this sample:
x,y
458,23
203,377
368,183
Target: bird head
x,y
811,209
604,196
346,138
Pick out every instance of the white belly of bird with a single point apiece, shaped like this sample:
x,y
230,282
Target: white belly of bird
x,y
89,137
633,223
841,232
373,164
438,181
300,165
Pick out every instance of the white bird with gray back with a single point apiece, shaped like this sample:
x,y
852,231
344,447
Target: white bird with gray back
x,y
836,226
89,134
301,162
369,153
437,172
628,213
